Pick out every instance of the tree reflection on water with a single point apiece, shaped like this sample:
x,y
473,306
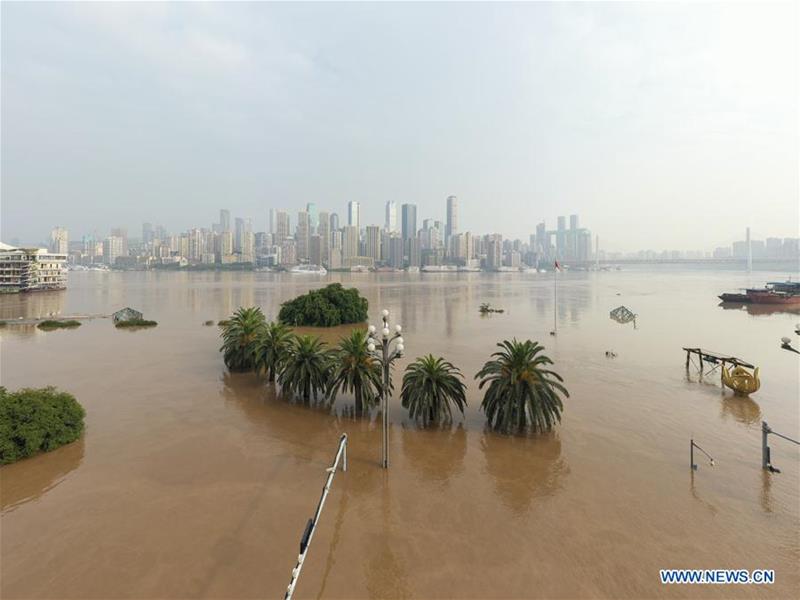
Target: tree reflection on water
x,y
524,468
436,454
29,479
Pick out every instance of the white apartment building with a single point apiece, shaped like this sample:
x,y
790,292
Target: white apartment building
x,y
31,269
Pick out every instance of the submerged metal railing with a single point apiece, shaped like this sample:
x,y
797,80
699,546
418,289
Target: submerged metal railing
x,y
766,455
308,532
692,446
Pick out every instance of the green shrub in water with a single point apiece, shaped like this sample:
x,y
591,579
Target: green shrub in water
x,y
37,420
50,325
136,323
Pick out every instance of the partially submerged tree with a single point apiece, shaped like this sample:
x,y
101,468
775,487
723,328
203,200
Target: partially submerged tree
x,y
272,349
355,371
239,336
431,386
306,368
521,391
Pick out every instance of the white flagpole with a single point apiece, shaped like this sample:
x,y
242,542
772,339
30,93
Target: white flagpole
x,y
555,298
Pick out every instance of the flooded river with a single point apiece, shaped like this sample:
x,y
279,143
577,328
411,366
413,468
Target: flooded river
x,y
192,483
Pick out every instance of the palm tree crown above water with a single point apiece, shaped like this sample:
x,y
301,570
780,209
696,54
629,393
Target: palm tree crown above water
x,y
239,336
521,391
356,371
430,386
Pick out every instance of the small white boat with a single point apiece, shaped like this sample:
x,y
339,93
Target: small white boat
x,y
413,269
308,270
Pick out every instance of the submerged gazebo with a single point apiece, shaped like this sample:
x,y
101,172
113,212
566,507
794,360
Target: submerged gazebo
x,y
127,314
622,314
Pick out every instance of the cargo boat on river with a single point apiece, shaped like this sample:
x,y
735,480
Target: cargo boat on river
x,y
774,292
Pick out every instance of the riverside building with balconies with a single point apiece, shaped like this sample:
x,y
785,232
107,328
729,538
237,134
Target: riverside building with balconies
x,y
31,269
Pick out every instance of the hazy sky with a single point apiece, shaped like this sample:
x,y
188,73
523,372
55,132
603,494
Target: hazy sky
x,y
668,125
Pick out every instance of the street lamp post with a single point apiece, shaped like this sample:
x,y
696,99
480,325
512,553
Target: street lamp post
x,y
385,355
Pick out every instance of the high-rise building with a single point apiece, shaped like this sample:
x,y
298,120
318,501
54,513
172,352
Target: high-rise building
x,y
324,232
372,242
302,235
223,248
561,237
354,214
313,220
512,259
238,236
334,222
59,240
288,252
273,221
391,217
315,250
409,218
461,247
263,241
494,252
248,252
349,241
224,220
282,227
451,228
396,252
583,242
112,248
122,233
430,238
573,222
195,251
414,253
336,239
147,233
542,240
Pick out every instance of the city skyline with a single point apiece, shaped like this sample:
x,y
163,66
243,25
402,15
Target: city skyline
x,y
280,220
318,240
595,109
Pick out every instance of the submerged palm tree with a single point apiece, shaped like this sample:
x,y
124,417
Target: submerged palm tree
x,y
521,390
272,348
306,368
430,386
239,336
355,371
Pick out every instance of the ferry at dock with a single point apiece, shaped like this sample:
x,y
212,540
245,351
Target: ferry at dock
x,y
308,270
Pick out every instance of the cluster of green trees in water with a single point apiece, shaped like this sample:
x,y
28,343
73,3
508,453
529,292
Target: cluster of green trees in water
x,y
326,307
37,420
521,392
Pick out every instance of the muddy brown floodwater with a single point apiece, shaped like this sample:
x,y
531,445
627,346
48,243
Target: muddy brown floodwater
x,y
191,482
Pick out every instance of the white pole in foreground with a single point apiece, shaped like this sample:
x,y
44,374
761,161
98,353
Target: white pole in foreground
x,y
555,298
311,526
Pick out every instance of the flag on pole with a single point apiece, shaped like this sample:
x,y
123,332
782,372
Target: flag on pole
x,y
558,266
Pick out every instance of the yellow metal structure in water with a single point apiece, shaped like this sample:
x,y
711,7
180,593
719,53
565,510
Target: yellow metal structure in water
x,y
741,381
